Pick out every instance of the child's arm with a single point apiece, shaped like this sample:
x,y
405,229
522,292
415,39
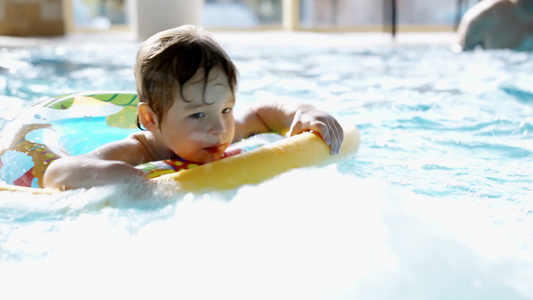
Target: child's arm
x,y
292,118
107,164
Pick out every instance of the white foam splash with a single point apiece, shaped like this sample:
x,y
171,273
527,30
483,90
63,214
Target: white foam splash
x,y
308,234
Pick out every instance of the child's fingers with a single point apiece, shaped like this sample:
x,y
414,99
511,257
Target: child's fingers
x,y
323,130
332,134
316,126
330,131
296,128
319,127
337,137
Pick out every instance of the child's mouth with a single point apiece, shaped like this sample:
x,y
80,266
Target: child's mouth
x,y
216,149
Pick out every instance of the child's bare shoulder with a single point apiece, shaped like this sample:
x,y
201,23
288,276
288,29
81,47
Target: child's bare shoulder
x,y
141,144
132,150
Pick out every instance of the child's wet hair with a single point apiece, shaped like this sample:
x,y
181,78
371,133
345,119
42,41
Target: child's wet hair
x,y
171,58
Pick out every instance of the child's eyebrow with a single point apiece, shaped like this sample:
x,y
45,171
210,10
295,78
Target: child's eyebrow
x,y
192,105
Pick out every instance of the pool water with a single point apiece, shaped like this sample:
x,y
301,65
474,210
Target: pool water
x,y
437,203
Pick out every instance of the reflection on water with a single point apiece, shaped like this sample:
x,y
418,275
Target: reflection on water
x,y
437,202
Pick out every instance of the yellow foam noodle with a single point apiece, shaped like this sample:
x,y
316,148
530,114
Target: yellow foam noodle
x,y
302,150
25,189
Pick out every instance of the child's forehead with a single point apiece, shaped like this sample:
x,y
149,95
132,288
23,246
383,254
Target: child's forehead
x,y
199,91
216,78
212,98
215,73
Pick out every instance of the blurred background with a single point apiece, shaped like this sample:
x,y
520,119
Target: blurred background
x,y
58,17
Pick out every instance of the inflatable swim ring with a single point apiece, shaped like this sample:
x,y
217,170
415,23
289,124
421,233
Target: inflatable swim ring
x,y
75,124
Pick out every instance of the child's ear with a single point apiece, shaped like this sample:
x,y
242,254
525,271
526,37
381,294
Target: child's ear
x,y
147,117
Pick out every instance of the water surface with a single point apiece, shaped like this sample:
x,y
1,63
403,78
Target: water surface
x,y
437,204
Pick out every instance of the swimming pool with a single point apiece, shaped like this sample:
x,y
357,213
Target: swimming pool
x,y
437,204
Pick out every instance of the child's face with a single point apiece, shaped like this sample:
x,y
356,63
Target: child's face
x,y
196,131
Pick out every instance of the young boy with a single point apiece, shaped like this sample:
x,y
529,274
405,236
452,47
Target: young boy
x,y
186,85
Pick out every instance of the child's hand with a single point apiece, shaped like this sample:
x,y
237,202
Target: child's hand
x,y
308,118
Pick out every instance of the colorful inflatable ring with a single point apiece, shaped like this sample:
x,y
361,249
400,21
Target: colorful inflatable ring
x,y
78,123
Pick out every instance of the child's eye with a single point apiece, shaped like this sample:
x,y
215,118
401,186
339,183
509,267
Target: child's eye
x,y
227,110
197,115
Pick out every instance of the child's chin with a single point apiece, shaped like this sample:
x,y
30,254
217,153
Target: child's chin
x,y
206,159
213,157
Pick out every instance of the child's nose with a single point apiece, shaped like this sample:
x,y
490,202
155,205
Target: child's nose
x,y
217,127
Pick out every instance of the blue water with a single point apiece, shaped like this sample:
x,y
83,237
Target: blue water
x,y
437,204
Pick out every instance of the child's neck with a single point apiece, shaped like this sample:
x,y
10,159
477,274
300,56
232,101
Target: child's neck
x,y
156,149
